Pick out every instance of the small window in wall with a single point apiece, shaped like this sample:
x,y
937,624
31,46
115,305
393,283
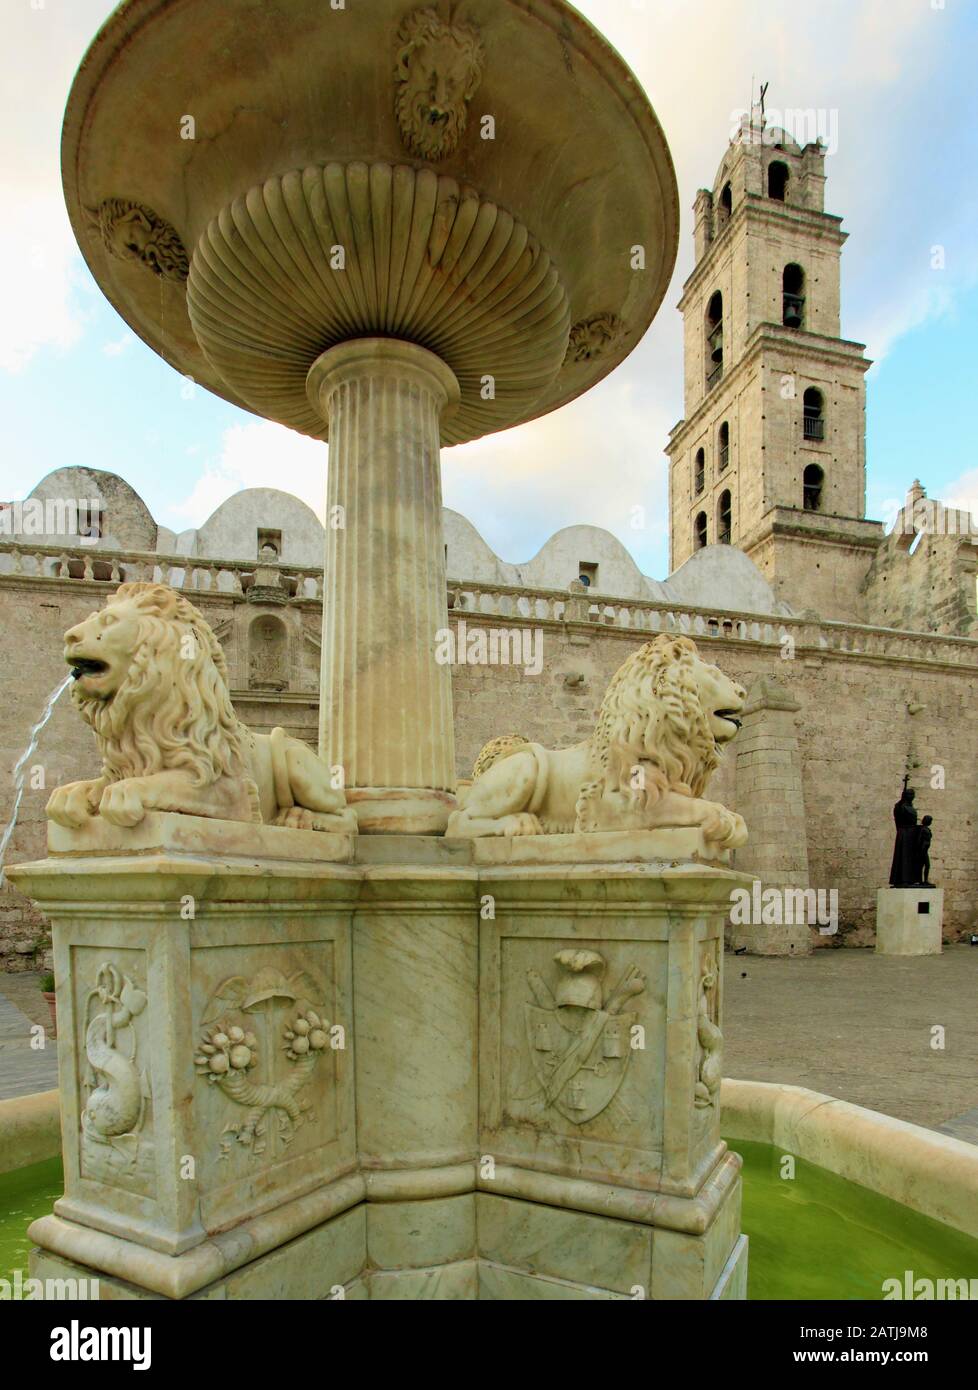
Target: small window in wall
x,y
724,518
812,479
814,408
699,531
269,545
588,574
777,180
723,446
793,297
726,205
699,472
714,340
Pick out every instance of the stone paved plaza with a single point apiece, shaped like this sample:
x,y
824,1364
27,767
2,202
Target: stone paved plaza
x,y
23,1069
859,1026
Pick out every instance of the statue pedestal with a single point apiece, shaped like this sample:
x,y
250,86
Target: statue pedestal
x,y
301,1065
909,921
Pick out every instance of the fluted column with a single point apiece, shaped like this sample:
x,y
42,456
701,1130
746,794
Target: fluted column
x,y
385,712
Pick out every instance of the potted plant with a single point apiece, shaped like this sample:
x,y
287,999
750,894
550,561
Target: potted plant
x,y
47,989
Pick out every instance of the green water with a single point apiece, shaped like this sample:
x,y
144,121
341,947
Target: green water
x,y
25,1195
817,1236
813,1236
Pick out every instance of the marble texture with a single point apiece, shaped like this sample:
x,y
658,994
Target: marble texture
x,y
30,1130
386,707
527,1072
557,1244
409,1235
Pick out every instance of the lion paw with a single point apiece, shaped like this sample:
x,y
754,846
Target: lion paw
x,y
295,818
73,804
122,802
522,824
725,829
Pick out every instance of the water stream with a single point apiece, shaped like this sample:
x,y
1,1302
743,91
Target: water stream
x,y
20,770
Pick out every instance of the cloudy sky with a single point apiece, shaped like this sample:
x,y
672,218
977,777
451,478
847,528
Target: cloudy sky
x,y
896,83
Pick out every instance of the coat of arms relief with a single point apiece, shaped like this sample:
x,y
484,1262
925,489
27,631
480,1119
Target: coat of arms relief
x,y
580,1033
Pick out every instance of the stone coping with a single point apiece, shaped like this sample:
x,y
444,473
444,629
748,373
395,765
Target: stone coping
x,y
30,1130
164,839
929,1172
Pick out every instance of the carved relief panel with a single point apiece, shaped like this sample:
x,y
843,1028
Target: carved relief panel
x,y
709,1039
115,1103
572,1049
273,1089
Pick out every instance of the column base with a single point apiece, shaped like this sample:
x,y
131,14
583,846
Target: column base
x,y
472,1246
400,810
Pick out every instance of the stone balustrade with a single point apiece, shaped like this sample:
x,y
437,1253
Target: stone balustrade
x,y
510,602
643,617
185,572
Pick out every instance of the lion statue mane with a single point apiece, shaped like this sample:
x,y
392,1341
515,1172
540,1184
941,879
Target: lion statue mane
x,y
659,737
151,680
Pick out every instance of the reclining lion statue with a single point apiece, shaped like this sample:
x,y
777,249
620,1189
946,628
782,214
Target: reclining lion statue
x,y
663,722
151,680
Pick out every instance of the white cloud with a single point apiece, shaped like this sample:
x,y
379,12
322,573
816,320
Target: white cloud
x,y
901,189
119,345
258,454
40,48
872,66
962,493
38,252
594,461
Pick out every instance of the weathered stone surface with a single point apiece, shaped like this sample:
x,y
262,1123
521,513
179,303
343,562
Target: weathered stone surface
x,y
307,1037
909,921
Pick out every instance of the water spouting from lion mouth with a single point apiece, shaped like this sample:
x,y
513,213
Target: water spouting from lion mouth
x,y
20,770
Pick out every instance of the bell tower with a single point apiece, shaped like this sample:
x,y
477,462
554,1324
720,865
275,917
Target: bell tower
x,y
770,456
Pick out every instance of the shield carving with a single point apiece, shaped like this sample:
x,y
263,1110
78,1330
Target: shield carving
x,y
579,1034
579,1055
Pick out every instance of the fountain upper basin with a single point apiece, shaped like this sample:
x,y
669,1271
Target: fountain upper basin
x,y
188,117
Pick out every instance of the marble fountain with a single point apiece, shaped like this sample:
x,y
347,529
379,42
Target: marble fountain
x,y
330,1025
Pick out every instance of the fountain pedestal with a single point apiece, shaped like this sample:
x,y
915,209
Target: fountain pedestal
x,y
301,1065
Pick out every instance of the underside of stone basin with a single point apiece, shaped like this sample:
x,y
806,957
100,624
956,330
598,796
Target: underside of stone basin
x,y
530,239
